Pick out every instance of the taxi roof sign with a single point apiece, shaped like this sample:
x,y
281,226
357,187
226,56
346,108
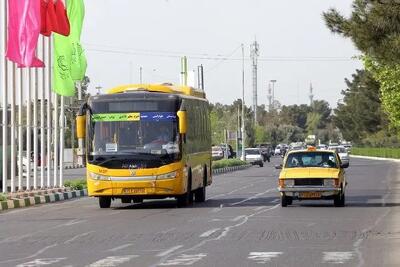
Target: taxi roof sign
x,y
311,148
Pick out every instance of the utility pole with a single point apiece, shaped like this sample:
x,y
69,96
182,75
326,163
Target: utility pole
x,y
243,157
311,95
141,75
254,48
269,96
273,93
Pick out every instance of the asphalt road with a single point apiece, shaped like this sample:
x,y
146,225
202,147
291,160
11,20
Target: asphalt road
x,y
241,224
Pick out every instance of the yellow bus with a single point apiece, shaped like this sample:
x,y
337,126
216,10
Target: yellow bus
x,y
147,142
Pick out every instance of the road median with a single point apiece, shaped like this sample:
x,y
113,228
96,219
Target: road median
x,y
27,199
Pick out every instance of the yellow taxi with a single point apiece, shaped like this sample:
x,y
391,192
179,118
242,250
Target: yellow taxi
x,y
312,174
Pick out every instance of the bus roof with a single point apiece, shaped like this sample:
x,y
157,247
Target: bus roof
x,y
160,88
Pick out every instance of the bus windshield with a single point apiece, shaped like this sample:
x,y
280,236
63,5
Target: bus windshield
x,y
127,134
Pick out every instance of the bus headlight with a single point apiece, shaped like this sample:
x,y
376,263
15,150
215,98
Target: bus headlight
x,y
96,176
165,176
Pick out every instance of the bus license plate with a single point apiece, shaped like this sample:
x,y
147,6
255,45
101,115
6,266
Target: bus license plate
x,y
133,191
310,195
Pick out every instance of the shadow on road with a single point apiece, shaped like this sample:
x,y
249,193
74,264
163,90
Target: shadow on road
x,y
211,203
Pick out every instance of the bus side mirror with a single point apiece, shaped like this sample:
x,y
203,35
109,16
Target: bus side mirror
x,y
182,121
81,126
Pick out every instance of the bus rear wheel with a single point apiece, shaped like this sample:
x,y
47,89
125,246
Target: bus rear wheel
x,y
200,193
105,202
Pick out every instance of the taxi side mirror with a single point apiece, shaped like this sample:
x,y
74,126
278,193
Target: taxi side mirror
x,y
182,115
344,166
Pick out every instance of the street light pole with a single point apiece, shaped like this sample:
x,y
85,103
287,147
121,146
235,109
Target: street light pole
x,y
243,157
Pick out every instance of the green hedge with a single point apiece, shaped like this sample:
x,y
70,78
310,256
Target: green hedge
x,y
2,197
380,152
76,184
227,163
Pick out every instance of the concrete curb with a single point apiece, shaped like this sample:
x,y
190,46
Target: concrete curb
x,y
28,201
374,158
229,169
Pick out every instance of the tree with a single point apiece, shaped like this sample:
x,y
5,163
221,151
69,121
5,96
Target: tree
x,y
360,114
374,27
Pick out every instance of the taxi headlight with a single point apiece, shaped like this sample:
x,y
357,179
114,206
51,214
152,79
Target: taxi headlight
x,y
165,176
96,176
329,182
288,182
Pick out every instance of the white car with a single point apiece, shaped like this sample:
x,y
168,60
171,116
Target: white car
x,y
277,150
217,152
254,156
343,154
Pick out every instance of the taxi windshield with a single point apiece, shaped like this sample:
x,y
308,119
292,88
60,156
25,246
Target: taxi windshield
x,y
311,159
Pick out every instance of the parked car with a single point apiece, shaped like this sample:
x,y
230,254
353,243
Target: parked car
x,y
217,152
343,154
254,157
277,150
322,147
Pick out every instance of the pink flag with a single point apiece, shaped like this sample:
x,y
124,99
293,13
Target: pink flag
x,y
23,32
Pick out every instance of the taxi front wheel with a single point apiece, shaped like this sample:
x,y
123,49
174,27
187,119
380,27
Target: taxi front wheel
x,y
285,200
339,200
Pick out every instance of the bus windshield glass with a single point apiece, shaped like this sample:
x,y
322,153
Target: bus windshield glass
x,y
135,133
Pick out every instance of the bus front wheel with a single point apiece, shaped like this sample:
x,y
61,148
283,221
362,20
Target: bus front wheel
x,y
187,198
105,202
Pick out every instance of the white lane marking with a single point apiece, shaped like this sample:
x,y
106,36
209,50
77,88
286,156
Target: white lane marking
x,y
357,243
263,257
112,261
336,257
119,247
275,200
31,256
168,251
73,222
223,234
77,236
234,191
238,218
258,208
168,230
184,260
215,210
41,262
253,197
209,232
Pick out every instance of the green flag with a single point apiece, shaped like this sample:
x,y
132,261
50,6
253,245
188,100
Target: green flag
x,y
76,14
69,59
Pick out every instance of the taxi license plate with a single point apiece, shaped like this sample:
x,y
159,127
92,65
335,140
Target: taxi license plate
x,y
133,191
310,195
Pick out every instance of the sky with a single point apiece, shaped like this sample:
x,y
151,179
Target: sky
x,y
296,48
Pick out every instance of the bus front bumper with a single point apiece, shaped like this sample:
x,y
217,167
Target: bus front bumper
x,y
135,186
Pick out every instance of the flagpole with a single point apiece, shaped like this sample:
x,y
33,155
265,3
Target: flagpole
x,y
42,131
55,138
4,89
48,111
13,159
20,143
62,120
35,129
28,130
